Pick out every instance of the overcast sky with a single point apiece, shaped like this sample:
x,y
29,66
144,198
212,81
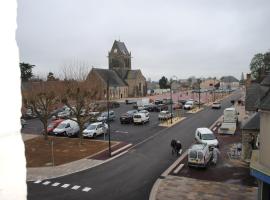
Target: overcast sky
x,y
183,38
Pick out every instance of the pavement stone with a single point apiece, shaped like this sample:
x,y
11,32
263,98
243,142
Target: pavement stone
x,y
177,188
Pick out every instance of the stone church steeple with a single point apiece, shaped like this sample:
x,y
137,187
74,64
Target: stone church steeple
x,y
120,59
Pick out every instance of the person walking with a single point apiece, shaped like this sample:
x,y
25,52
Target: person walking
x,y
216,152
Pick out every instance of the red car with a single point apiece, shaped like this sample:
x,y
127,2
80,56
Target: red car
x,y
53,125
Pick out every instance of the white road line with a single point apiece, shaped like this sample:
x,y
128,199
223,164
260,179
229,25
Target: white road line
x,y
75,187
46,182
65,185
38,181
55,184
120,131
86,189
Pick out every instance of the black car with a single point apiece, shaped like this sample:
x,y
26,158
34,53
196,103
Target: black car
x,y
152,107
161,107
127,117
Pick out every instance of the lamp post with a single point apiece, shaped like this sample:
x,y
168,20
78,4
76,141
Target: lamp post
x,y
199,81
108,121
171,101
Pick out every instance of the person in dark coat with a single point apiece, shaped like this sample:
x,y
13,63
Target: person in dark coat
x,y
176,147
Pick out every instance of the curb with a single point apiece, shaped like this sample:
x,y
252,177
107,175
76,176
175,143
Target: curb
x,y
82,169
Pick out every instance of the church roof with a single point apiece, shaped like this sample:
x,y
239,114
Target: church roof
x,y
228,79
114,79
122,47
133,74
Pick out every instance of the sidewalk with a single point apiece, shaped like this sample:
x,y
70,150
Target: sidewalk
x,y
183,188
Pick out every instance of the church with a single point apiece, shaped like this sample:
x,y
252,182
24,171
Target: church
x,y
123,81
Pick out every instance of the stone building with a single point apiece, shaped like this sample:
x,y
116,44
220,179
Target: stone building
x,y
123,80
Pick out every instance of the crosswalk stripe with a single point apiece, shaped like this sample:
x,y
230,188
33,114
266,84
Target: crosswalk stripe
x,y
75,187
46,182
38,181
65,185
86,189
55,184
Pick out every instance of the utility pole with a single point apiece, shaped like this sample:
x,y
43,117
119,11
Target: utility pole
x,y
108,120
171,102
199,93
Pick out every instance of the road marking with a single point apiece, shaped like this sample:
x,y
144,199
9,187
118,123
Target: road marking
x,y
75,187
55,184
46,182
86,189
178,168
38,181
121,149
120,131
65,185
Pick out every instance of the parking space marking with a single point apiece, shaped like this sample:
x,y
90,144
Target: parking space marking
x,y
86,189
55,184
120,131
38,181
65,185
75,187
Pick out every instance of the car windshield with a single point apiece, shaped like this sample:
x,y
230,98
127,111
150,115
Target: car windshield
x,y
216,103
189,103
91,127
62,125
130,112
208,136
137,116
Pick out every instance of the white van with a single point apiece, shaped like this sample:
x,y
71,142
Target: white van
x,y
67,128
205,135
199,155
189,105
140,118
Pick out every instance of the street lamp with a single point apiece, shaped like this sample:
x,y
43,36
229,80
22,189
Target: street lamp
x,y
171,101
199,81
108,121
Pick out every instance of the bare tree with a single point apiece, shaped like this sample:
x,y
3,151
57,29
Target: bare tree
x,y
78,98
41,98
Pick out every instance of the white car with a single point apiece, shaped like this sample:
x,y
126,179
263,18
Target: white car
x,y
199,155
140,118
145,112
65,113
95,129
206,136
165,114
216,105
67,128
189,105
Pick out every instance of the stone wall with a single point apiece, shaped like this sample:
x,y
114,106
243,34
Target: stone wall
x,y
246,143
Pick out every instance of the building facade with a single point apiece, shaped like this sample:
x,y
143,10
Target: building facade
x,y
123,80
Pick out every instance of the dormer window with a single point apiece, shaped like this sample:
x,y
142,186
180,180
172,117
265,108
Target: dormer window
x,y
115,50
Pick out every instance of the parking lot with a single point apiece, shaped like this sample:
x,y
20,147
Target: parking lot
x,y
119,132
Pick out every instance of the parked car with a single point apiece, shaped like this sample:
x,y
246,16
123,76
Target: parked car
x,y
182,101
30,114
65,113
199,155
205,135
151,107
53,125
177,106
189,105
128,116
216,105
140,118
95,129
104,116
164,115
114,104
161,107
130,101
158,101
67,128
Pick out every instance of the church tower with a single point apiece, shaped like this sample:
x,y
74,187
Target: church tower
x,y
120,59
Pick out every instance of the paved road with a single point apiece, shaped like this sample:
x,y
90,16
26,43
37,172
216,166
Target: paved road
x,y
132,175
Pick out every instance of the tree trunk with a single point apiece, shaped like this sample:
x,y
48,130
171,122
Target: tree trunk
x,y
45,130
